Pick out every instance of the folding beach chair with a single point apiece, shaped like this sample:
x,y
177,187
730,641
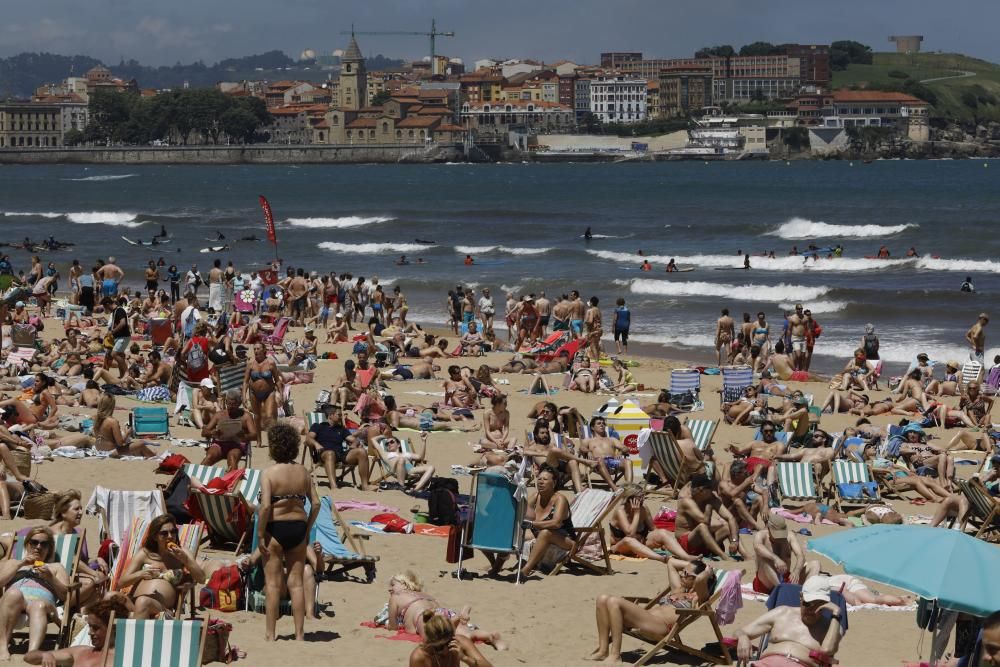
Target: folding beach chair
x,y
381,457
588,511
853,485
495,516
231,376
24,335
796,482
790,595
686,618
972,371
685,380
702,430
984,509
311,419
227,515
117,509
156,642
991,385
67,554
245,301
735,380
159,331
339,557
663,447
150,422
274,340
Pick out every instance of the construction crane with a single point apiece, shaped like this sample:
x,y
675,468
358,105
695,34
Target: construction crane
x,y
433,34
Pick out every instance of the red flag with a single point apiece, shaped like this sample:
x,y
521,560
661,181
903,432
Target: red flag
x,y
268,220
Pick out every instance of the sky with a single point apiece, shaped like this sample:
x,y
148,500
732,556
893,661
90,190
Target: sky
x,y
167,31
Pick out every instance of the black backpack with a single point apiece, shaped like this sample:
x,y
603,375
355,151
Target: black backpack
x,y
442,503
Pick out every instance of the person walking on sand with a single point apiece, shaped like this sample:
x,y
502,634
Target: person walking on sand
x,y
621,324
976,335
724,334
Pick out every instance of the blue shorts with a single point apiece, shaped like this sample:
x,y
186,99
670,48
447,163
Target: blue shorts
x,y
109,287
467,317
576,326
121,344
612,463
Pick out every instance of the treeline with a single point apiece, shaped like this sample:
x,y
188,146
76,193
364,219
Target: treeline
x,y
842,53
182,116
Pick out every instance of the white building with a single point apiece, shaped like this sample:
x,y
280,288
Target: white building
x,y
618,100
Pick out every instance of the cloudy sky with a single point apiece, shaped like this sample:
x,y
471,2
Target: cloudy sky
x,y
167,31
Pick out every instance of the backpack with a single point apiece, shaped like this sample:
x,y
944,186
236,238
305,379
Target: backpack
x,y
196,359
224,590
442,503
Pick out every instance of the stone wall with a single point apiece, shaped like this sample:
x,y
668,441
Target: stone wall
x,y
254,154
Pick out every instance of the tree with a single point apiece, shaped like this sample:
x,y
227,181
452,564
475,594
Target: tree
x,y
381,97
73,137
847,52
589,123
724,51
760,49
796,138
239,124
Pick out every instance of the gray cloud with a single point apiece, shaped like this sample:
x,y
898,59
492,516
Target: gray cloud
x,y
187,30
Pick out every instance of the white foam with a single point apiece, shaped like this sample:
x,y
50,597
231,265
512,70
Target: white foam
x,y
114,218
802,228
108,177
21,214
337,223
959,265
482,250
370,248
818,306
767,293
900,353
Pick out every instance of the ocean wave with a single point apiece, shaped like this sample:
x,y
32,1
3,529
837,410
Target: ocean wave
x,y
756,293
483,250
113,218
21,214
818,306
108,177
801,228
899,353
337,223
370,248
958,264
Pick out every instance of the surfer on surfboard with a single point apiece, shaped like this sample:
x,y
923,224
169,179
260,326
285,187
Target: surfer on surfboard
x,y
746,261
163,233
671,266
587,235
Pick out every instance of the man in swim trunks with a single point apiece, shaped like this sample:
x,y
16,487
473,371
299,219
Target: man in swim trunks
x,y
761,453
797,332
976,336
696,531
744,495
576,314
560,314
544,308
799,636
724,335
331,442
611,455
782,366
298,290
230,432
110,276
780,557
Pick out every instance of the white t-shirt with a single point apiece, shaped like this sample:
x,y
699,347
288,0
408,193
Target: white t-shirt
x,y
192,278
486,306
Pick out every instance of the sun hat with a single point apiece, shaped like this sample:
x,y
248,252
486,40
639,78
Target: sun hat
x,y
777,527
816,589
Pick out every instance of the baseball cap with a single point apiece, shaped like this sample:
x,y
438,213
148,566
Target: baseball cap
x,y
816,589
207,383
923,356
340,316
19,304
777,527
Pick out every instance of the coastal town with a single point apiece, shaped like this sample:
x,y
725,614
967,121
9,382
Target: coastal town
x,y
761,101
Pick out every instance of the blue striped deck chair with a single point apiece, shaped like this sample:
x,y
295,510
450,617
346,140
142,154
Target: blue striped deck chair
x,y
684,380
311,419
853,485
220,511
67,554
735,380
156,642
664,449
494,525
377,448
851,449
702,430
796,482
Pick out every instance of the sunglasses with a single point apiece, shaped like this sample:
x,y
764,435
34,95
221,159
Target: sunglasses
x,y
40,544
167,533
767,430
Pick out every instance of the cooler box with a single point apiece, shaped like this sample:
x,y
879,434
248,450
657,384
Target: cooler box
x,y
628,419
150,422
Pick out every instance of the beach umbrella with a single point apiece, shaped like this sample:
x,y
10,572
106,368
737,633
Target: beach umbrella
x,y
957,570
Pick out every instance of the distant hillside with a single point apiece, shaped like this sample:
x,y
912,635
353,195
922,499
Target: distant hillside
x,y
974,98
21,74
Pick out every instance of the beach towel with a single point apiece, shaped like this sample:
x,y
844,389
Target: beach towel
x,y
364,505
748,593
730,600
796,517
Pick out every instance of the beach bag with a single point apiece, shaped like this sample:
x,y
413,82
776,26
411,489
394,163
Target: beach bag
x,y
109,341
454,544
683,400
360,346
393,523
217,642
195,358
177,494
172,464
224,590
442,503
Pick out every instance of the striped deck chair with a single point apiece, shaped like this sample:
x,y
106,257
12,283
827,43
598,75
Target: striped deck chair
x,y
311,419
735,380
984,509
780,436
663,448
230,376
687,617
702,430
156,642
377,450
116,510
20,358
796,482
589,509
227,515
67,554
685,380
853,485
494,525
972,371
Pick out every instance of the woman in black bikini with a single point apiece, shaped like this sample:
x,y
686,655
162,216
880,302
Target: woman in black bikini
x,y
263,381
283,526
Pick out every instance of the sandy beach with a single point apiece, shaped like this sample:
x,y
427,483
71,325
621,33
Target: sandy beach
x,y
546,620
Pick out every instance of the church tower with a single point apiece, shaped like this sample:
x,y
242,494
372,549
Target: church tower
x,y
353,80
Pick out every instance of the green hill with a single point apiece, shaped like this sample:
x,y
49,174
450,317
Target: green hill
x,y
969,99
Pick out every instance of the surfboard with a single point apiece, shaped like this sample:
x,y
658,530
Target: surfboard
x,y
144,244
221,248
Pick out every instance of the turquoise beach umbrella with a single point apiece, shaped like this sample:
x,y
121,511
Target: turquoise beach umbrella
x,y
959,571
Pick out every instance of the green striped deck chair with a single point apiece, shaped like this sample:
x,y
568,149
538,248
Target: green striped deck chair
x,y
157,642
231,376
67,554
702,430
226,515
377,450
984,509
796,482
667,453
848,478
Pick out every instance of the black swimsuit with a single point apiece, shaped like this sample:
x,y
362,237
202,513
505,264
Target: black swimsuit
x,y
290,533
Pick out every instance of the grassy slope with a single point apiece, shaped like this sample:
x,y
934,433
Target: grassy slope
x,y
931,65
